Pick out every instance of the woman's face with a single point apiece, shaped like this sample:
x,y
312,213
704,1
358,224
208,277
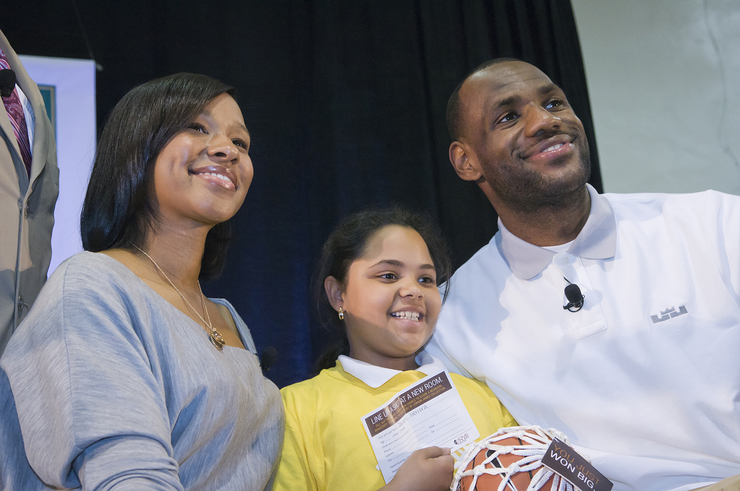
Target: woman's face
x,y
202,175
391,299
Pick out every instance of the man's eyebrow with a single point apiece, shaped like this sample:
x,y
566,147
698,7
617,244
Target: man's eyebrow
x,y
514,99
549,88
509,101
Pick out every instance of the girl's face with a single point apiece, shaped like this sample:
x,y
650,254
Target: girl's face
x,y
202,175
390,299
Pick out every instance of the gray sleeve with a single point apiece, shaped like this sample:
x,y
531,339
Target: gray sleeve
x,y
87,387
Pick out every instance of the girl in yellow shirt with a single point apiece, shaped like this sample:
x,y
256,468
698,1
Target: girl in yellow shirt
x,y
377,285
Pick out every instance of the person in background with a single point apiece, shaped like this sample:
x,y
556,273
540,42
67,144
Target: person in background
x,y
29,186
377,286
124,375
614,318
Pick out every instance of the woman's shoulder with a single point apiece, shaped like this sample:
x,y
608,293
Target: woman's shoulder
x,y
82,296
94,265
90,277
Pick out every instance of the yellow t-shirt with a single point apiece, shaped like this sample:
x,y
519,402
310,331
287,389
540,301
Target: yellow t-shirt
x,y
326,447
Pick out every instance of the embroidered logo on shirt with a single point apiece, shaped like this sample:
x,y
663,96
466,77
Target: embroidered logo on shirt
x,y
669,314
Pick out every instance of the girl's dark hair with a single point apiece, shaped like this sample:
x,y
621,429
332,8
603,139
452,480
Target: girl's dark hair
x,y
118,209
348,242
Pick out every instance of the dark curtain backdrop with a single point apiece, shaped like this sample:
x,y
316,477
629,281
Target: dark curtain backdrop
x,y
345,101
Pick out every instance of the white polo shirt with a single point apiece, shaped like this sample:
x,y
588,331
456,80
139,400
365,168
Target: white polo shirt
x,y
645,378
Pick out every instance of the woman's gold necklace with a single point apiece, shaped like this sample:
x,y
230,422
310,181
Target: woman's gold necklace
x,y
216,339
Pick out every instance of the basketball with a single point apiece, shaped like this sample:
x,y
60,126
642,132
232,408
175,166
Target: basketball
x,y
509,460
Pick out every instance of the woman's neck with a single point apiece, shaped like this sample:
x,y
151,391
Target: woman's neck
x,y
178,254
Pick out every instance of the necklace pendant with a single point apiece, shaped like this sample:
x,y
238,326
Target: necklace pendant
x,y
217,340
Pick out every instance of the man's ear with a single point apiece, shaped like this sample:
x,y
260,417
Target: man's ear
x,y
463,160
333,292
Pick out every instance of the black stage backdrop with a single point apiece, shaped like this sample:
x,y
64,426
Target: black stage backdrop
x,y
345,101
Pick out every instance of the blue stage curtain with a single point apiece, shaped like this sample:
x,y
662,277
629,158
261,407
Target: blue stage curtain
x,y
345,102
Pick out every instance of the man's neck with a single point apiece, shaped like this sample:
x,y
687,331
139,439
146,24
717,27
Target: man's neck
x,y
549,225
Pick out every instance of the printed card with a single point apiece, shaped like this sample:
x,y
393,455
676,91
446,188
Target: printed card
x,y
429,413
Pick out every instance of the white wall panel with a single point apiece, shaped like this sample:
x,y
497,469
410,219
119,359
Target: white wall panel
x,y
664,85
74,89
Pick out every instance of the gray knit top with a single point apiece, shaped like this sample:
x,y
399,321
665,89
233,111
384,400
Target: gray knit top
x,y
115,388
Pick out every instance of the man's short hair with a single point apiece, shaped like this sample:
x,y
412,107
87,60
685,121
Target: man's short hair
x,y
454,106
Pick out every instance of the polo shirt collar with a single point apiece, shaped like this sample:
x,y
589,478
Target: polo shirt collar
x,y
597,240
375,376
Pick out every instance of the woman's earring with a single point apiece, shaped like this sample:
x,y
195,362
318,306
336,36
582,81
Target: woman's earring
x,y
341,314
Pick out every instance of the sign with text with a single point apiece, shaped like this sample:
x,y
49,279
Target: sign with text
x,y
562,459
429,413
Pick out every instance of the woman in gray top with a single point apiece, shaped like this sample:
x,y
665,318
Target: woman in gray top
x,y
124,375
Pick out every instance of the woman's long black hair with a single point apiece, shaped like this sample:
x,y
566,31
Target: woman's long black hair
x,y
118,209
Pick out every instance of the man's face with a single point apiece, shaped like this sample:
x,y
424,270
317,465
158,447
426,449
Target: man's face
x,y
527,143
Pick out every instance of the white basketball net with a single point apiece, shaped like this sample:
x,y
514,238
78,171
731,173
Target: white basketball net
x,y
535,439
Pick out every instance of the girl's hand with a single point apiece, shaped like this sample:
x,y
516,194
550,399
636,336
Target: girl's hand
x,y
427,469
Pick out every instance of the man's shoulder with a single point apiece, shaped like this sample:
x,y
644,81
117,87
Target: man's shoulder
x,y
647,199
485,272
486,258
639,205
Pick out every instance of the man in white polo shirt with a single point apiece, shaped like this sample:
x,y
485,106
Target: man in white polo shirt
x,y
640,364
